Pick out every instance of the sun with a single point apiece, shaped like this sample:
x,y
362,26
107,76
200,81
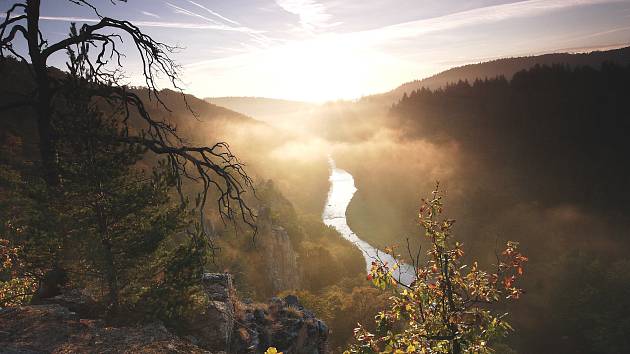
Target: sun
x,y
325,68
318,70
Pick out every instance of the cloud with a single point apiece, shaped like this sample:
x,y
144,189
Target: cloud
x,y
257,35
214,13
366,62
150,14
181,10
162,24
311,13
476,16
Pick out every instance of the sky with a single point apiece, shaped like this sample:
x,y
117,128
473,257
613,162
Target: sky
x,y
321,50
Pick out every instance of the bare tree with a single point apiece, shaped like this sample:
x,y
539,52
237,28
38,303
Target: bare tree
x,y
95,59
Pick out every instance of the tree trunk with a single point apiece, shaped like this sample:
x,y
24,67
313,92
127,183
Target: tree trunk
x,y
112,278
111,275
43,99
54,278
457,349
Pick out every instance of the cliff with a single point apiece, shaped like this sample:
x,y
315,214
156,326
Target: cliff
x,y
281,260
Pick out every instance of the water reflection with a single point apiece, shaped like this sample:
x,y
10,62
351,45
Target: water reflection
x,y
341,191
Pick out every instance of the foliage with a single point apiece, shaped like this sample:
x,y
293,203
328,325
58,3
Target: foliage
x,y
30,225
15,288
175,297
571,123
590,304
325,259
95,60
119,216
91,205
448,308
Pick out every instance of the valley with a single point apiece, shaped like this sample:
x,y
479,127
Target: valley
x,y
314,177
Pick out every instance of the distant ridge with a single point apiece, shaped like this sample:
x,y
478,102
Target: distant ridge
x,y
269,110
262,108
509,66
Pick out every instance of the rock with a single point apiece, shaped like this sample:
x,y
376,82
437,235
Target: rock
x,y
281,264
284,324
292,300
53,328
214,326
75,300
260,315
218,286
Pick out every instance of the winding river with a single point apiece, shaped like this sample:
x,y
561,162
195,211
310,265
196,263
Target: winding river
x,y
341,191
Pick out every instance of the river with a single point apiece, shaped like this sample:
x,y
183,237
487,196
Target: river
x,y
341,191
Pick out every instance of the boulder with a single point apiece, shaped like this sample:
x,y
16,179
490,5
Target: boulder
x,y
214,326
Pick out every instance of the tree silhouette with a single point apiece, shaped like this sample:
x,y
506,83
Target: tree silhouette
x,y
94,55
95,64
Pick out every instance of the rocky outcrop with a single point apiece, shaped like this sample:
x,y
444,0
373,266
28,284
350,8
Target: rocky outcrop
x,y
227,325
281,263
214,326
244,327
283,324
53,328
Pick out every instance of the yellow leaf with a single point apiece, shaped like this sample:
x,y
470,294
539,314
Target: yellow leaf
x,y
272,350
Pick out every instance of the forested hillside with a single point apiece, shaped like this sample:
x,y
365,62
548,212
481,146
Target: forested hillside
x,y
570,123
540,157
507,67
324,265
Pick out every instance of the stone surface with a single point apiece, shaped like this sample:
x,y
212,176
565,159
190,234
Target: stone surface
x,y
213,327
283,324
281,263
53,328
225,326
76,301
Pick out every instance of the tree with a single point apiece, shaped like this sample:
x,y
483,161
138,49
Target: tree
x,y
449,307
95,61
213,166
121,215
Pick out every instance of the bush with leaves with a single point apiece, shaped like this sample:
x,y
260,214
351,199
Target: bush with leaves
x,y
16,288
30,225
449,307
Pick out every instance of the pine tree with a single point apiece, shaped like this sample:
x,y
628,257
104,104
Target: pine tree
x,y
121,214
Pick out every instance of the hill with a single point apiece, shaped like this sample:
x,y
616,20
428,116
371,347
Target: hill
x,y
509,66
180,109
281,113
539,158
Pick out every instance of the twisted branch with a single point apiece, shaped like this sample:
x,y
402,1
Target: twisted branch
x,y
214,167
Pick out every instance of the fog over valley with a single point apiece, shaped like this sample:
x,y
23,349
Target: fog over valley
x,y
314,176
